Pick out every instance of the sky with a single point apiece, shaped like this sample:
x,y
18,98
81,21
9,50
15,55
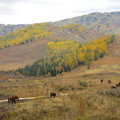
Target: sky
x,y
36,11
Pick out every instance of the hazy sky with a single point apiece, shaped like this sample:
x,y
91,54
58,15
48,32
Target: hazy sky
x,y
34,11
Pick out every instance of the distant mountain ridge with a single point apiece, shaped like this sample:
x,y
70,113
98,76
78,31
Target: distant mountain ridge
x,y
108,23
103,22
9,28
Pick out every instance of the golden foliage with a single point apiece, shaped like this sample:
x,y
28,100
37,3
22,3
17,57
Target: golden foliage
x,y
63,56
26,34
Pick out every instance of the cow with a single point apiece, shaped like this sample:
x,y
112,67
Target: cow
x,y
109,81
53,94
13,99
113,87
101,80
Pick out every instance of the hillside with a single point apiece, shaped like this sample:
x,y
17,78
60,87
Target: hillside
x,y
63,56
26,34
29,44
102,22
6,29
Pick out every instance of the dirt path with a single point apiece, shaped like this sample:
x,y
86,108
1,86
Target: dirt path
x,y
32,98
29,98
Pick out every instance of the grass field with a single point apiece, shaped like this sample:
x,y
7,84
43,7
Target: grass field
x,y
80,93
80,96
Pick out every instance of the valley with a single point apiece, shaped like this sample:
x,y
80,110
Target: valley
x,y
76,60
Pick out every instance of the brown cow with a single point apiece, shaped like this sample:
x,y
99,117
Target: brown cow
x,y
13,99
109,81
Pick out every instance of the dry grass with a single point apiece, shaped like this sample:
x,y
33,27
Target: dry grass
x,y
19,56
74,101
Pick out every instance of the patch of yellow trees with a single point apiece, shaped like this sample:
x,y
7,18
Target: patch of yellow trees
x,y
26,34
63,56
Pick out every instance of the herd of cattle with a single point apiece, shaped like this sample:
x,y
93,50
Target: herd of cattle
x,y
109,82
14,99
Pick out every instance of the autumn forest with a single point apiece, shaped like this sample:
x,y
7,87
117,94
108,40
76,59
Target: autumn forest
x,y
63,56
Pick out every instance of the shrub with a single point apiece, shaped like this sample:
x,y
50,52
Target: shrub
x,y
82,111
65,88
85,117
83,83
111,92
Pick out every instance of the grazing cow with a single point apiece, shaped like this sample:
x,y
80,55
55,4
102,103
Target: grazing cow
x,y
52,94
113,87
101,80
109,81
13,99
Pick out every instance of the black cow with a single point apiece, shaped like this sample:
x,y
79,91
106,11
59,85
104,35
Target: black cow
x,y
13,99
101,80
52,94
113,87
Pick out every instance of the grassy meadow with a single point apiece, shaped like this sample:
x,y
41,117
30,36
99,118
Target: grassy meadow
x,y
80,96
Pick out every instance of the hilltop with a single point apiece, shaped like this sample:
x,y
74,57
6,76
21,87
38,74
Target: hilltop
x,y
103,22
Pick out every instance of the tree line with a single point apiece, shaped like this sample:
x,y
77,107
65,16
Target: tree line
x,y
63,56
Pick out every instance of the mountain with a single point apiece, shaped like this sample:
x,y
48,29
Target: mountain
x,y
103,22
28,44
6,29
46,30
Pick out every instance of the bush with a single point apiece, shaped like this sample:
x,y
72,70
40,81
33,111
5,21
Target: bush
x,y
115,92
83,83
85,117
65,88
82,111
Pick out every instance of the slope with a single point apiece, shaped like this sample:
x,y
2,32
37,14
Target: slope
x,y
6,29
103,22
28,50
110,62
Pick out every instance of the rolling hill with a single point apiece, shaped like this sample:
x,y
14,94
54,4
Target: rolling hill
x,y
29,43
103,22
